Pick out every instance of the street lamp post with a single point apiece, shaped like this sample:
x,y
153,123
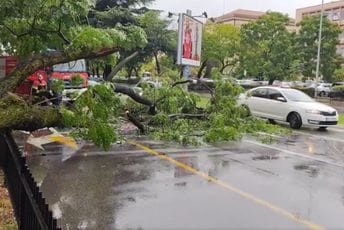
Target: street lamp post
x,y
319,48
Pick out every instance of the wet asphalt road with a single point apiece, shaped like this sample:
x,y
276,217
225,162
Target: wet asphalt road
x,y
294,183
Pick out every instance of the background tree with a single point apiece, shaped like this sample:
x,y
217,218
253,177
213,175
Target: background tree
x,y
307,46
110,14
30,31
220,47
338,75
268,48
160,38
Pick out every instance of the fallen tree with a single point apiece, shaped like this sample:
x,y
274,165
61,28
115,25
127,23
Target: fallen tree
x,y
167,112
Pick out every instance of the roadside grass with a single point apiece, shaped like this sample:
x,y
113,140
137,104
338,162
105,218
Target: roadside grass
x,y
341,119
204,101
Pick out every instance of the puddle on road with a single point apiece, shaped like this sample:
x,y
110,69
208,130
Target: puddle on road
x,y
265,157
312,169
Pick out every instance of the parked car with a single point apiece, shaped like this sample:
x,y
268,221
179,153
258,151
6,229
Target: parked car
x,y
138,88
323,89
288,105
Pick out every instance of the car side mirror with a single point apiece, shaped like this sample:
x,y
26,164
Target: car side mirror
x,y
281,99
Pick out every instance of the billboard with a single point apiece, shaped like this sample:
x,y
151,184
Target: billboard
x,y
189,41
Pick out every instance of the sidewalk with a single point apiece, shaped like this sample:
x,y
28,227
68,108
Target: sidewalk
x,y
7,219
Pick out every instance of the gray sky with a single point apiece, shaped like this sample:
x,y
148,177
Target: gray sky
x,y
216,8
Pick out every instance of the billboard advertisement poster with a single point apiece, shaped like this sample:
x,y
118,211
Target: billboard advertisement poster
x,y
190,41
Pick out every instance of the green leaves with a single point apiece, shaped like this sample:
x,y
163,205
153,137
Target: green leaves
x,y
307,45
35,26
94,116
221,43
56,85
76,80
221,120
267,47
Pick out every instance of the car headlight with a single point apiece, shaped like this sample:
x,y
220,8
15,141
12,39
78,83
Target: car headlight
x,y
313,111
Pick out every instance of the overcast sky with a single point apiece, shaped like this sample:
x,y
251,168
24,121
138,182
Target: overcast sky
x,y
216,8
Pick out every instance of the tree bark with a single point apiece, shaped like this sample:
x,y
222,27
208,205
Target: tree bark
x,y
121,64
181,82
271,81
209,67
131,93
107,71
204,64
136,122
97,70
130,71
16,114
157,62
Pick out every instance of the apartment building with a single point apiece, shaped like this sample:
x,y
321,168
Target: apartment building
x,y
240,17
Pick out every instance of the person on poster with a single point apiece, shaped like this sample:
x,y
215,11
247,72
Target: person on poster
x,y
187,43
196,56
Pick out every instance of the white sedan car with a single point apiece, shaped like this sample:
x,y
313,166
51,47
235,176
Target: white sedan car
x,y
288,105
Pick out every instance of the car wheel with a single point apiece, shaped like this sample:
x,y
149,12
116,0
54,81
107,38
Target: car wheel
x,y
295,120
322,94
272,121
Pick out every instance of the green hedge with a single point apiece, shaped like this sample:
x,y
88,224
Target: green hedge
x,y
338,88
309,91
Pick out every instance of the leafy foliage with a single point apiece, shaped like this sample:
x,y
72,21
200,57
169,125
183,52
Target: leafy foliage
x,y
161,40
91,114
338,75
229,121
180,120
268,48
56,85
221,42
76,80
34,26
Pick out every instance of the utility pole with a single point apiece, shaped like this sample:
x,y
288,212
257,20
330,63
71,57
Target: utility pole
x,y
319,48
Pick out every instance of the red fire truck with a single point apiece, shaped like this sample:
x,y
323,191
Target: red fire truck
x,y
40,79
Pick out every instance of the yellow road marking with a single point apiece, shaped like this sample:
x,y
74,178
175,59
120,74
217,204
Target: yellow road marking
x,y
231,188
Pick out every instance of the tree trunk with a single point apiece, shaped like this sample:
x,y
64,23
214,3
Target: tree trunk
x,y
107,71
271,81
136,71
209,67
97,70
131,93
15,113
121,64
204,64
223,68
130,71
157,62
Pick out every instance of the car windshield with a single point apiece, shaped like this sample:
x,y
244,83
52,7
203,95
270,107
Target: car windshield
x,y
296,95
